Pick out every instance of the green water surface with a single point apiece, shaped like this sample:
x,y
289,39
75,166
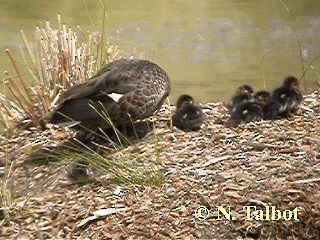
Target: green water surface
x,y
208,47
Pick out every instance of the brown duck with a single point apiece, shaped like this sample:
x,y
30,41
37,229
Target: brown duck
x,y
122,91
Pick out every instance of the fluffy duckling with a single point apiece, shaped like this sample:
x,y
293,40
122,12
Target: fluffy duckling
x,y
188,116
262,98
244,93
245,112
284,100
78,173
123,91
249,111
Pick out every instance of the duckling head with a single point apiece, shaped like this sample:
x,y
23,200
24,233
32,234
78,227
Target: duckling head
x,y
183,99
262,97
291,82
244,89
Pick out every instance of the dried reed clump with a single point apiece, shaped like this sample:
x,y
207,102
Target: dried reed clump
x,y
56,59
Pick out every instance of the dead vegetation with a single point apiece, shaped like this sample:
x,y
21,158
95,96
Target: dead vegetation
x,y
56,59
265,163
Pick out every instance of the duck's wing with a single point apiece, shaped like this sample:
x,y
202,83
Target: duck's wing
x,y
109,80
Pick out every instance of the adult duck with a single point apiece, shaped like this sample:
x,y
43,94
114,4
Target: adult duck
x,y
122,91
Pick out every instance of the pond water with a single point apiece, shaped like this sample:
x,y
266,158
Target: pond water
x,y
208,47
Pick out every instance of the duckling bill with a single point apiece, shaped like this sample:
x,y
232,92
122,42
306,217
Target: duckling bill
x,y
122,91
284,100
188,116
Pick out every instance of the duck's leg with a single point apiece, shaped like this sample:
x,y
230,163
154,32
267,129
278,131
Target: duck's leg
x,y
118,134
123,133
133,131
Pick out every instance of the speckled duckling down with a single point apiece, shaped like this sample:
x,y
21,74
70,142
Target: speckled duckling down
x,y
284,101
188,116
243,94
125,90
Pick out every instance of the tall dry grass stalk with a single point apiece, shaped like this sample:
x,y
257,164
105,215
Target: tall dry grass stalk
x,y
5,191
57,58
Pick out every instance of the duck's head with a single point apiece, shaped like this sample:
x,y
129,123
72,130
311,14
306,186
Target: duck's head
x,y
291,82
262,97
244,89
183,99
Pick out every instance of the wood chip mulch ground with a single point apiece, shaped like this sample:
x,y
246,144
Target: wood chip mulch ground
x,y
267,163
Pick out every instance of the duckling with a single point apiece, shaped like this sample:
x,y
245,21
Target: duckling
x,y
284,100
243,94
188,116
249,111
262,98
122,91
245,112
78,173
